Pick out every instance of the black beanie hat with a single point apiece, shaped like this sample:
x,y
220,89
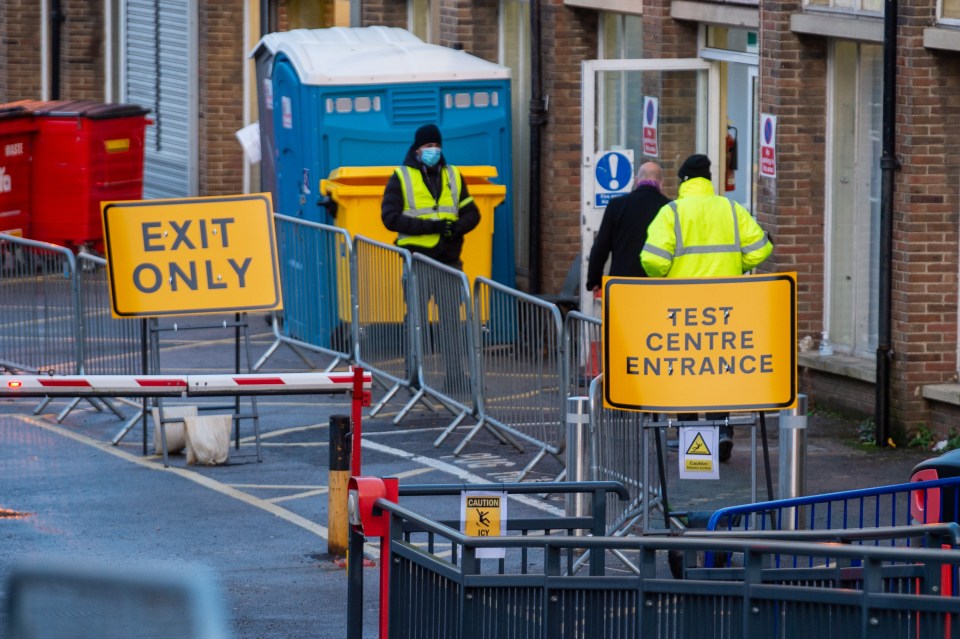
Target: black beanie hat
x,y
697,165
425,135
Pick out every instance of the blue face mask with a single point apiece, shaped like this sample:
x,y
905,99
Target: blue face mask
x,y
430,155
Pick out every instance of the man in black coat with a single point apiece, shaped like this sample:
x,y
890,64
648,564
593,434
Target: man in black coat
x,y
623,230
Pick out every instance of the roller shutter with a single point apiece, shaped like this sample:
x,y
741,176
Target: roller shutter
x,y
161,55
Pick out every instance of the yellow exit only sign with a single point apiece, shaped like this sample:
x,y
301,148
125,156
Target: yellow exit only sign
x,y
197,255
691,345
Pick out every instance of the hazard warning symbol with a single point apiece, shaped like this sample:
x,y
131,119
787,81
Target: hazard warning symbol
x,y
699,458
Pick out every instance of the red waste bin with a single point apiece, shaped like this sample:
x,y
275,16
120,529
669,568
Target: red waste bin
x,y
17,130
85,153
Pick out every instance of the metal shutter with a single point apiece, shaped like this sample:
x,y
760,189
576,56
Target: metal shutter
x,y
160,47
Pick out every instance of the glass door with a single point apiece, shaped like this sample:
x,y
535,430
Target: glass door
x,y
653,110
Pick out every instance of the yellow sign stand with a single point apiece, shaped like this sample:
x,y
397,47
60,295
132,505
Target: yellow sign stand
x,y
711,344
186,256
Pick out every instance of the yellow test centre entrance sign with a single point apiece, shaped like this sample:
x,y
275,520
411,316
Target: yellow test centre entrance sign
x,y
712,344
197,255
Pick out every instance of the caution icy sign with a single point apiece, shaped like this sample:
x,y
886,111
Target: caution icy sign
x,y
484,514
200,255
710,344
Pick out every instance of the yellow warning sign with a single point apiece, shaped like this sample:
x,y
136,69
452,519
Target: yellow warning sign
x,y
483,515
698,446
708,344
199,255
699,465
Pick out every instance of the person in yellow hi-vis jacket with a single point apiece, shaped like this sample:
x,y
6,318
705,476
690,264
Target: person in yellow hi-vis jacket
x,y
702,234
426,201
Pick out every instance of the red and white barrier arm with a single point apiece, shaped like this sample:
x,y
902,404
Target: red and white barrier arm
x,y
179,385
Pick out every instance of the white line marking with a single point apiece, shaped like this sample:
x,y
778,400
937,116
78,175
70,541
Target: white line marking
x,y
466,476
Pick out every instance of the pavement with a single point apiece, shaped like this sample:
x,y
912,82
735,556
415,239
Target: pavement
x,y
260,528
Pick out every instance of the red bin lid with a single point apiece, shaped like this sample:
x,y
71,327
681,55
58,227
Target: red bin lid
x,y
89,109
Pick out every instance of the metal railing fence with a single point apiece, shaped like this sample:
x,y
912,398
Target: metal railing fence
x,y
864,591
318,284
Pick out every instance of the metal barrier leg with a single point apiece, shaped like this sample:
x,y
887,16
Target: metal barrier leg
x,y
127,427
62,415
449,429
410,404
263,358
112,407
386,398
42,405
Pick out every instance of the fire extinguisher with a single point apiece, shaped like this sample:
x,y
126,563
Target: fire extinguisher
x,y
731,178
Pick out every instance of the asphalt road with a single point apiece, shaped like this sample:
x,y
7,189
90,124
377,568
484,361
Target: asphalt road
x,y
260,527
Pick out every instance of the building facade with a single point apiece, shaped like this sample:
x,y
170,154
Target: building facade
x,y
804,79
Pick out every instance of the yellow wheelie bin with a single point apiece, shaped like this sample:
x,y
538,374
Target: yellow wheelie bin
x,y
358,191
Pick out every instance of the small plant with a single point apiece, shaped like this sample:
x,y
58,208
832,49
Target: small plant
x,y
922,437
867,431
953,440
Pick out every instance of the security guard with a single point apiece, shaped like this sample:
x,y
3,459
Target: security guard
x,y
426,201
701,234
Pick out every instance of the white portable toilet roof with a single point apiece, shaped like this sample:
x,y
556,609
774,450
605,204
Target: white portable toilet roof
x,y
373,55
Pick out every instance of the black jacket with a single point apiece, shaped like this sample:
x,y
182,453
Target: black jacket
x,y
623,232
391,212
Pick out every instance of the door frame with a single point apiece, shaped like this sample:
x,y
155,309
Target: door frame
x,y
708,141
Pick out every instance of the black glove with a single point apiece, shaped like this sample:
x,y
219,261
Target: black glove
x,y
449,228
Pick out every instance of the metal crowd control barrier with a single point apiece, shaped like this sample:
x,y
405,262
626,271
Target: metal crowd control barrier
x,y
582,357
319,283
617,446
40,327
858,591
521,367
620,452
111,346
385,324
444,347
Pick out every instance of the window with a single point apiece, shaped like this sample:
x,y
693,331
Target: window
x,y
950,10
853,196
866,6
621,38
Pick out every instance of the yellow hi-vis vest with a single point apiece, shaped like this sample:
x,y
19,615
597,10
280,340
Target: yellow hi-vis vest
x,y
418,202
703,235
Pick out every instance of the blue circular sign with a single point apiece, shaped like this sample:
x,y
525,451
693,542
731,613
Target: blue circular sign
x,y
613,172
767,131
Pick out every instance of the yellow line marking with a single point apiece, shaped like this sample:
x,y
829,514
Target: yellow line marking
x,y
413,473
263,504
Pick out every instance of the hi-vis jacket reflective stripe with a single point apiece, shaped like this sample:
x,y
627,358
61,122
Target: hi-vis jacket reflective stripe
x,y
701,234
419,202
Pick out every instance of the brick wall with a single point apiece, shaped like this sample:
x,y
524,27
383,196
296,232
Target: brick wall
x,y
387,13
793,88
925,234
19,50
472,24
569,37
82,51
221,96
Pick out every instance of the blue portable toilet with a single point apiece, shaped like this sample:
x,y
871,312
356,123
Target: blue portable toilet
x,y
353,97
